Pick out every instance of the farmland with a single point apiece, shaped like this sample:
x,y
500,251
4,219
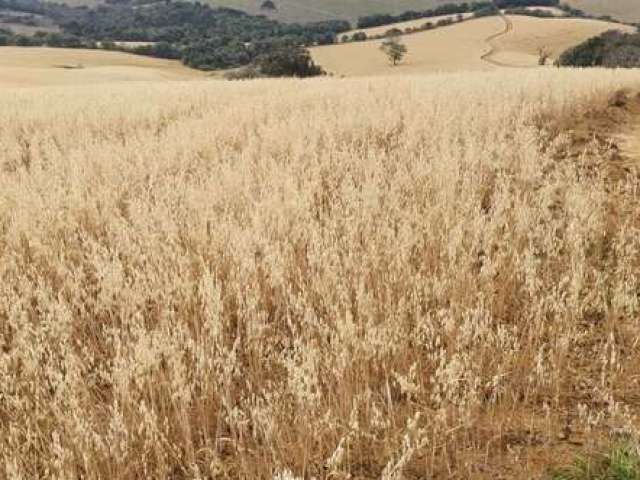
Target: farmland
x,y
28,67
395,277
461,46
626,10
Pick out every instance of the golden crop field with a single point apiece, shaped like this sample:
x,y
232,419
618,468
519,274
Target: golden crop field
x,y
520,45
417,277
462,46
454,48
35,66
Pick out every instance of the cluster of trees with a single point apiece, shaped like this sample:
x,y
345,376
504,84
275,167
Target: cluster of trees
x,y
291,61
44,39
479,7
611,49
201,36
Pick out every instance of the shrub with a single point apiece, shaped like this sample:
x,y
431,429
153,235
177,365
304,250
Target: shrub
x,y
288,62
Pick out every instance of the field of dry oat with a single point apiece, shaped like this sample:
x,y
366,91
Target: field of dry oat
x,y
392,278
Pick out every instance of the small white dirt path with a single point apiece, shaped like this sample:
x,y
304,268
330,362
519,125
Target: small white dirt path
x,y
494,49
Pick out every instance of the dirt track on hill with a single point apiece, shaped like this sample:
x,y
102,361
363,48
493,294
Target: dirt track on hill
x,y
493,49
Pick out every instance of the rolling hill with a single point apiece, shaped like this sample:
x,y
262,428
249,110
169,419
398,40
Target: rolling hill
x,y
625,10
462,46
58,66
311,10
314,10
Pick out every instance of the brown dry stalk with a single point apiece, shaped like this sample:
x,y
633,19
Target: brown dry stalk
x,y
334,279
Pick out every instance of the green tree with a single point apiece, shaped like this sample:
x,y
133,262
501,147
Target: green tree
x,y
394,49
288,62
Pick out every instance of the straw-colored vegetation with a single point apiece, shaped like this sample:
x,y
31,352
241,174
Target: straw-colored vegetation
x,y
370,279
521,44
28,67
462,46
626,10
453,48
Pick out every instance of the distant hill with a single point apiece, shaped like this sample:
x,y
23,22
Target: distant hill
x,y
625,10
29,67
476,44
313,10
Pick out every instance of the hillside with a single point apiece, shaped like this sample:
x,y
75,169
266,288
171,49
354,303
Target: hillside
x,y
419,277
58,66
466,43
313,10
316,10
625,10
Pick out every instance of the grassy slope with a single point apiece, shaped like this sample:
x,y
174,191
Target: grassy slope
x,y
465,44
47,66
464,47
626,10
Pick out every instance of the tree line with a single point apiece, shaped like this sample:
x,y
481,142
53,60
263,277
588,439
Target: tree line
x,y
379,20
210,38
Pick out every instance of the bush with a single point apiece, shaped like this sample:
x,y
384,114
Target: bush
x,y
289,62
359,37
393,32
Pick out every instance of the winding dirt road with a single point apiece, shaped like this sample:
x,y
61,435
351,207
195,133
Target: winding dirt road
x,y
494,49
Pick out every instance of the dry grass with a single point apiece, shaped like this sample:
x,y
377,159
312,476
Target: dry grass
x,y
34,66
390,278
519,47
459,47
452,48
626,10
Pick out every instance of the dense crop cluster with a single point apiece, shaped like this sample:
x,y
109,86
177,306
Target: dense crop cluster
x,y
390,278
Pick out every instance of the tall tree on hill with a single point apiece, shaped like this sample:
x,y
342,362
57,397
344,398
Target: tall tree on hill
x,y
394,49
